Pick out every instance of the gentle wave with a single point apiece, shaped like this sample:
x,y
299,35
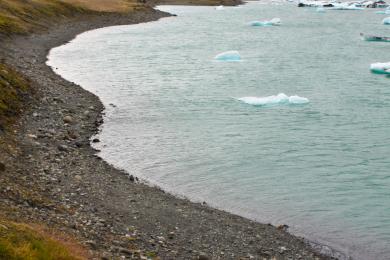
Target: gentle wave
x,y
280,99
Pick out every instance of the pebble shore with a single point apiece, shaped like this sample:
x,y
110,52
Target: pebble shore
x,y
51,174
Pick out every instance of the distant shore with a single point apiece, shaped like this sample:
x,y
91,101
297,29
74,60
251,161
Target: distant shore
x,y
51,174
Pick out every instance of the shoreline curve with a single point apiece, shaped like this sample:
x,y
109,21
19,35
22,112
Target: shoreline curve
x,y
116,206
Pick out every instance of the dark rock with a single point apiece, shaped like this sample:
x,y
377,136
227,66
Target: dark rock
x,y
131,177
2,167
78,144
91,243
95,140
68,119
203,257
283,227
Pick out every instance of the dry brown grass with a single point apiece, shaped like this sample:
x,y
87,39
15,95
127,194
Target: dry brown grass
x,y
22,16
105,5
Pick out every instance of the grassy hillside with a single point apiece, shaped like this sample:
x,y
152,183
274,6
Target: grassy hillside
x,y
21,16
195,2
13,88
21,241
106,5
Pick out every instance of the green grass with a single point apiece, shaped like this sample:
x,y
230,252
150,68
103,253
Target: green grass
x,y
24,242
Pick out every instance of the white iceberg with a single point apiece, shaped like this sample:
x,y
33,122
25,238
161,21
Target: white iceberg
x,y
272,22
280,99
228,56
345,6
219,8
386,21
380,68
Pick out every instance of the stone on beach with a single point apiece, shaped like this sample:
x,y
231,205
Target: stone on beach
x,y
68,120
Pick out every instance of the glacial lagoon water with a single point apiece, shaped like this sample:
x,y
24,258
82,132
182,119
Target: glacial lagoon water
x,y
174,115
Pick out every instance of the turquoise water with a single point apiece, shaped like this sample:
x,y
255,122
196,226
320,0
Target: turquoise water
x,y
174,119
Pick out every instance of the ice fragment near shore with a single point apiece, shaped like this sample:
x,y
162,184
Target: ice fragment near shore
x,y
320,10
228,56
386,21
273,22
380,68
280,99
219,8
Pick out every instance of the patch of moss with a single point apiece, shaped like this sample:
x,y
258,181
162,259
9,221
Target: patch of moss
x,y
21,241
13,88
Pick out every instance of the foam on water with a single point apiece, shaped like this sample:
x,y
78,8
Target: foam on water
x,y
280,99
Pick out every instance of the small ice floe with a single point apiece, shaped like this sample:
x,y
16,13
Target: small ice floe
x,y
272,22
386,21
303,3
280,99
373,38
219,8
380,68
345,6
228,56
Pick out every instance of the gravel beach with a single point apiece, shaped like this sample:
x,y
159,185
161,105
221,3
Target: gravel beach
x,y
51,175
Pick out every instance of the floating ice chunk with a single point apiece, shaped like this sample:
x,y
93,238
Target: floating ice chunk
x,y
219,8
280,99
275,21
320,9
380,68
345,6
298,100
387,11
272,22
373,38
386,21
228,56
